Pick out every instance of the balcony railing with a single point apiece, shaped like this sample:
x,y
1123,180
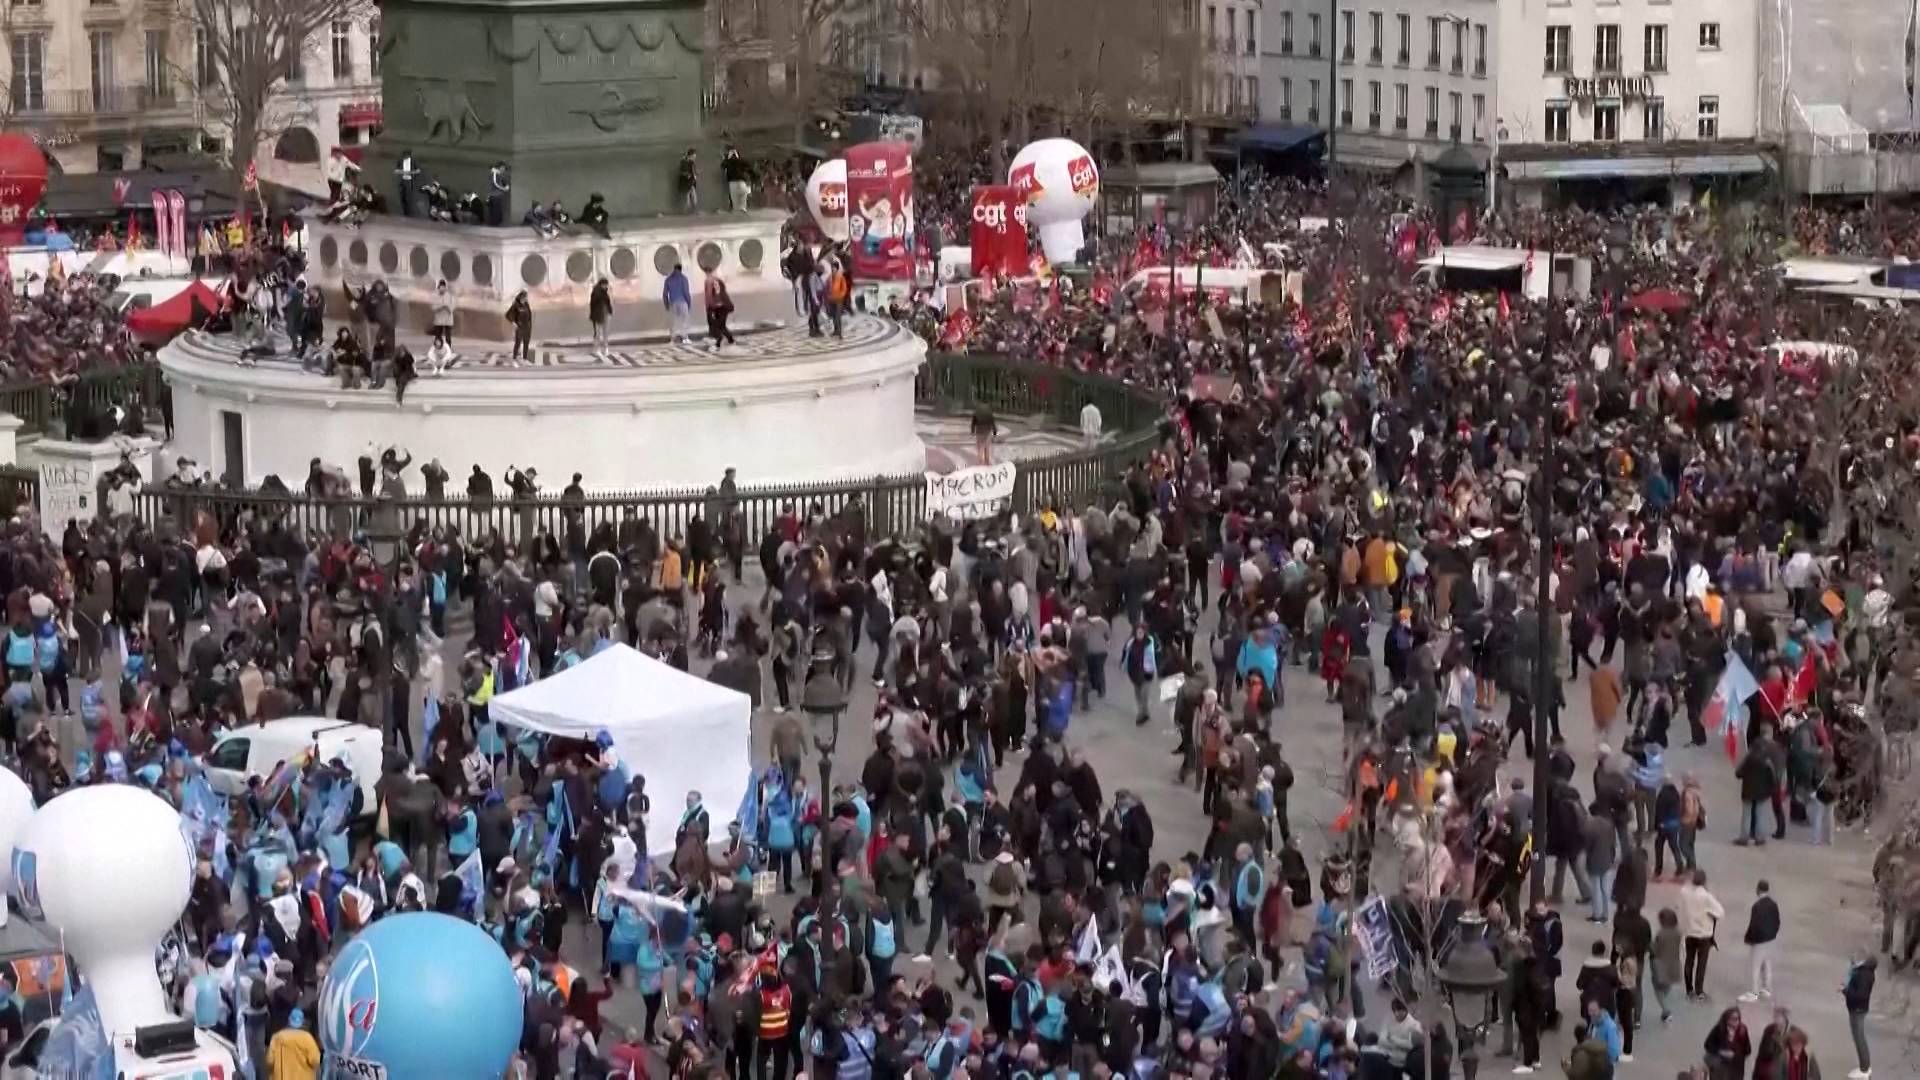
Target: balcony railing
x,y
1480,68
1286,46
1346,118
1433,60
1433,129
1373,56
112,100
1403,58
1373,121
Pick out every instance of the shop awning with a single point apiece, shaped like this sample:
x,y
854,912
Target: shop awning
x,y
1608,167
360,114
1275,138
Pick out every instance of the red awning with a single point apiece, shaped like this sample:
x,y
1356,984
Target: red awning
x,y
177,312
360,114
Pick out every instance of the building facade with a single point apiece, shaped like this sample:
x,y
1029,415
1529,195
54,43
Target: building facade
x,y
1394,84
106,85
1648,97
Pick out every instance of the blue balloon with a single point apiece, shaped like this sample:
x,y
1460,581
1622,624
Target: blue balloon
x,y
422,994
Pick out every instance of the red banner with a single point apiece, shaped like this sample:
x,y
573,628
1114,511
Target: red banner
x,y
162,224
177,202
880,210
999,231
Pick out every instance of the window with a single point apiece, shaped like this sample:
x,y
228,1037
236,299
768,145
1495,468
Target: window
x,y
1373,105
1233,34
1399,106
1346,102
1480,49
297,62
1213,29
1558,115
157,80
1313,101
1377,23
1286,33
231,755
1253,96
1559,50
1406,40
203,73
1251,49
342,50
1606,122
1459,47
1709,35
1655,60
1709,118
1286,98
1433,111
1453,114
1653,119
100,60
1606,48
29,83
1313,35
1479,117
1433,44
1346,36
373,46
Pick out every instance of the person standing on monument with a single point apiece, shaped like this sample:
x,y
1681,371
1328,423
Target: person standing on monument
x,y
739,177
719,309
677,297
689,181
599,310
499,189
520,314
409,176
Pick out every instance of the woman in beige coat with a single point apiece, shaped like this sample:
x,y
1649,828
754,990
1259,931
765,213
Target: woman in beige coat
x,y
1603,687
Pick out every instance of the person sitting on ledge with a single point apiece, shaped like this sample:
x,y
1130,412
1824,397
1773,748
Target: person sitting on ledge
x,y
348,359
540,220
594,216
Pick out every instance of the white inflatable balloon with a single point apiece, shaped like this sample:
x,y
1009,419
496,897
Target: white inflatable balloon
x,y
16,806
1060,183
107,867
827,198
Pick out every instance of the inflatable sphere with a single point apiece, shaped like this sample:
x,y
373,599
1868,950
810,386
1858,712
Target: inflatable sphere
x,y
1060,183
16,806
421,994
108,870
827,198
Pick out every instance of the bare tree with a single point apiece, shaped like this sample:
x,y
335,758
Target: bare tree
x,y
253,48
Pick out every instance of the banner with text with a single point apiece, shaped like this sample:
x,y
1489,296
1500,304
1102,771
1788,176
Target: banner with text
x,y
968,494
880,210
999,235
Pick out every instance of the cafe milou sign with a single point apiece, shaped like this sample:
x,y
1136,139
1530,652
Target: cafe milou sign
x,y
1622,88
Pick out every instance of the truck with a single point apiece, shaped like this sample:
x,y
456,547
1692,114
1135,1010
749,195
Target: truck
x,y
1520,271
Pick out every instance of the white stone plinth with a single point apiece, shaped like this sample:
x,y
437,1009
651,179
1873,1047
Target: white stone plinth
x,y
779,407
10,439
70,475
485,267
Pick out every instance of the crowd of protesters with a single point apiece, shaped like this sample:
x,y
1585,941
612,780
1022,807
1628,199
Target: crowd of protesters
x,y
1342,505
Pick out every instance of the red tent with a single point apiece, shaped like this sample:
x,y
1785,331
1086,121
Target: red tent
x,y
177,312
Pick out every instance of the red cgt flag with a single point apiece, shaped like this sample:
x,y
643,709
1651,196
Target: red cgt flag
x,y
958,328
1506,312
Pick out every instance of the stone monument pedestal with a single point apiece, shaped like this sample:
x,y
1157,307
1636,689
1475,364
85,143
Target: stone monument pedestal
x,y
485,267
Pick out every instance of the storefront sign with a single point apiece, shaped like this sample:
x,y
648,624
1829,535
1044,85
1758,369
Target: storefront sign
x,y
1608,87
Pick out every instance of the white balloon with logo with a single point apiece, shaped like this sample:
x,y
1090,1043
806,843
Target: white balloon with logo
x,y
827,198
16,806
1060,183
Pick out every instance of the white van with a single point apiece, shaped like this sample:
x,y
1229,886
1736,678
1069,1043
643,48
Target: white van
x,y
257,749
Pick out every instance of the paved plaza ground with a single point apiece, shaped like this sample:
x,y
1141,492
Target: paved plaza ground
x,y
1825,894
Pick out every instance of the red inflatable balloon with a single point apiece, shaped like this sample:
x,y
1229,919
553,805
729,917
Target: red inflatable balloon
x,y
23,177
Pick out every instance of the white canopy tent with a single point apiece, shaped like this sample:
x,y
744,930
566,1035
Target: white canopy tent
x,y
681,732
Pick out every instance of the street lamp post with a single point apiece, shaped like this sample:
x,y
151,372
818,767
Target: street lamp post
x,y
1472,978
1544,619
823,699
385,539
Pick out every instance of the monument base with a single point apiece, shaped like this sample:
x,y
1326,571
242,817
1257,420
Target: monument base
x,y
778,407
485,267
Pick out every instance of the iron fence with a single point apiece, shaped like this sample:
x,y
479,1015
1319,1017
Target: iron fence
x,y
892,504
39,404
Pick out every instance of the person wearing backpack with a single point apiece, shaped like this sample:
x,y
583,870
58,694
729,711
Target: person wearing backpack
x,y
883,944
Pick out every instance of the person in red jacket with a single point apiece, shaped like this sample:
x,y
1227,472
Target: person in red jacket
x,y
776,1026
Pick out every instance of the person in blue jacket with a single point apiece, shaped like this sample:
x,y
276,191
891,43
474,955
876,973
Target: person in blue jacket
x,y
1249,888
